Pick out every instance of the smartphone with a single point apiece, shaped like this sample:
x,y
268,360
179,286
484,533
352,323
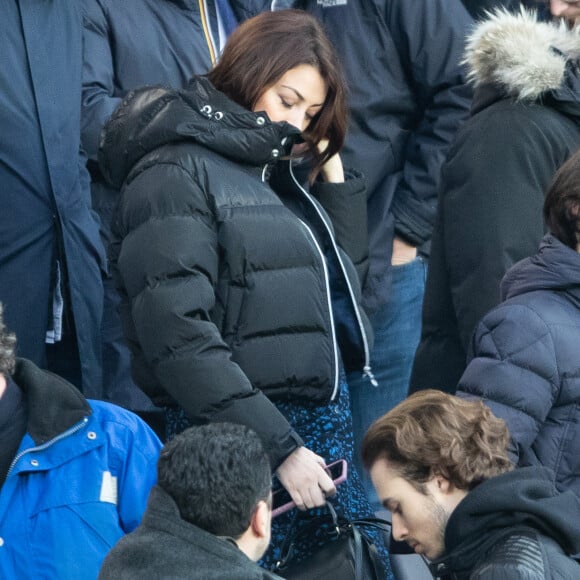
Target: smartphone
x,y
282,501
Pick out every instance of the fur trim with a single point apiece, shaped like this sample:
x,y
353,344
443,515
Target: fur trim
x,y
522,55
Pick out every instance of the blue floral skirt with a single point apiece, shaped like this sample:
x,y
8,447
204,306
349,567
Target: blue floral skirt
x,y
326,430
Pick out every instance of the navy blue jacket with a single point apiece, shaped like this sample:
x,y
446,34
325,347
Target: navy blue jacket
x,y
407,97
525,362
43,184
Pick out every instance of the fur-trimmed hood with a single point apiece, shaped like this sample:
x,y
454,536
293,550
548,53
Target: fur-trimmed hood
x,y
524,58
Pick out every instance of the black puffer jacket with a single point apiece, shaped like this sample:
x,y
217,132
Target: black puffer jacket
x,y
513,527
525,361
226,293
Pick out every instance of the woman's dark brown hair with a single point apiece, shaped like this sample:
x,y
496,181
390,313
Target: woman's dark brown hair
x,y
562,203
433,433
262,49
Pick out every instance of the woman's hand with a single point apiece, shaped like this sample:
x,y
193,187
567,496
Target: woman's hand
x,y
332,171
304,477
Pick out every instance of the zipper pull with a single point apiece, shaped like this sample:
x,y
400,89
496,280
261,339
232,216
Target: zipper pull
x,y
367,372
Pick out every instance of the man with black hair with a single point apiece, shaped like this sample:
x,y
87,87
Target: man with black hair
x,y
209,515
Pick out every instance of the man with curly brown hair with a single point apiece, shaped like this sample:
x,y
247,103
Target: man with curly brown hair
x,y
440,465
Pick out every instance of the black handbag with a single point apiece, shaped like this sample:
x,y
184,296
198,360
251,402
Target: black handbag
x,y
348,553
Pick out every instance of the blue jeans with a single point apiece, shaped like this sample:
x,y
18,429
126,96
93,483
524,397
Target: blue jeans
x,y
397,329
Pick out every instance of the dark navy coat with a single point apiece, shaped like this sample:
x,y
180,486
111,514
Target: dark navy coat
x,y
407,97
46,210
525,361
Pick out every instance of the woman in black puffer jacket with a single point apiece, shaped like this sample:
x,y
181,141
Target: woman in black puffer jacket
x,y
525,353
240,288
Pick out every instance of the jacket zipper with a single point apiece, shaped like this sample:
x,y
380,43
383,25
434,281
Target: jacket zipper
x,y
367,371
329,299
327,285
44,446
207,31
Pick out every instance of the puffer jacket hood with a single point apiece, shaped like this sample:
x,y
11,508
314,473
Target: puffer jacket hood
x,y
521,58
151,117
554,267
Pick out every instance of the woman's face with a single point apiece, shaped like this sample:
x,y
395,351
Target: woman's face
x,y
295,98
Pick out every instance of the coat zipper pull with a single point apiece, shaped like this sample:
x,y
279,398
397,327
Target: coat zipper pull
x,y
367,372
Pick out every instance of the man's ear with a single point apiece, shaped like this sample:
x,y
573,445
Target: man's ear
x,y
441,484
444,485
261,520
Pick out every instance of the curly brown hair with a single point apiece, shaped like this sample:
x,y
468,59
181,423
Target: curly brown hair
x,y
7,347
433,433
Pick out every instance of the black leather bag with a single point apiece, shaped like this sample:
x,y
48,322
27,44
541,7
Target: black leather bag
x,y
348,554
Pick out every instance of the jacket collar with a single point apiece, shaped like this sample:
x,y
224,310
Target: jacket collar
x,y
555,267
162,514
152,117
243,9
54,405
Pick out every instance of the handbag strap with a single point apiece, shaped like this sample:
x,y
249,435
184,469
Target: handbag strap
x,y
287,548
379,523
358,554
339,525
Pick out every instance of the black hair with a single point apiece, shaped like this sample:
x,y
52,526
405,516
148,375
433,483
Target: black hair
x,y
216,474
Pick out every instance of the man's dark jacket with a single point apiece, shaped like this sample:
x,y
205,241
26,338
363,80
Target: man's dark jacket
x,y
46,208
165,546
407,97
524,125
225,277
511,527
524,361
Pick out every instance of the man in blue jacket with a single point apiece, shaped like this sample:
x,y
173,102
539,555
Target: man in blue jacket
x,y
407,97
50,252
74,474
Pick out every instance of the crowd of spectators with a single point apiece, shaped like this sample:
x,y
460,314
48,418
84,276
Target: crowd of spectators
x,y
270,234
